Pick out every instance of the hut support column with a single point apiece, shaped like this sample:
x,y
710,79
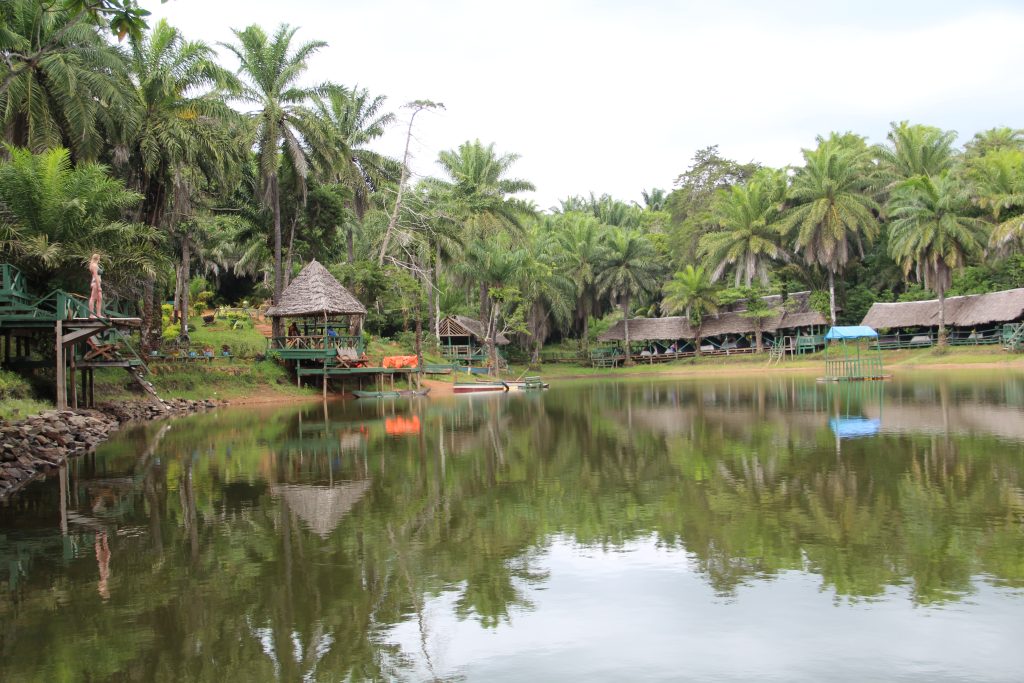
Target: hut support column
x,y
62,390
73,382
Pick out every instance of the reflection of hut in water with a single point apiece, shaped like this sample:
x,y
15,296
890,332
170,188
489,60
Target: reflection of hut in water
x,y
321,508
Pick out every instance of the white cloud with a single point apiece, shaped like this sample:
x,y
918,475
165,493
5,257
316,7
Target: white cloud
x,y
616,98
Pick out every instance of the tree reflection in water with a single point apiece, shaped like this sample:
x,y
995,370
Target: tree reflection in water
x,y
283,544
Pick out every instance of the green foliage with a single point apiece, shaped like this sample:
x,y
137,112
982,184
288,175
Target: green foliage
x,y
54,215
691,292
13,386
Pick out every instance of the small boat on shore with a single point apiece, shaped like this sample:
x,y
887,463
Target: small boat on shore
x,y
527,384
358,393
479,387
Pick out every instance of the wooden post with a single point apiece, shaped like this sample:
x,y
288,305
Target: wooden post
x,y
92,388
74,384
85,387
7,348
62,389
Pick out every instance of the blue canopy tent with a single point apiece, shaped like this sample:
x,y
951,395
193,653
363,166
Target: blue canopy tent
x,y
848,357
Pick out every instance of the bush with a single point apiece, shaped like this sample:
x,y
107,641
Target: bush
x,y
13,386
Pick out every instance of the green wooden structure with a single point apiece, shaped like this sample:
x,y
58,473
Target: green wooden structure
x,y
1013,337
850,355
81,343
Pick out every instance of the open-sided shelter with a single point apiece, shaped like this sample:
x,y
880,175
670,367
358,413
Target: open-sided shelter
x,y
319,313
851,354
464,339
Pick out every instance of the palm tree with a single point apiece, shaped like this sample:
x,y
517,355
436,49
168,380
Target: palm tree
x,y
270,70
581,245
747,239
353,120
548,292
832,211
930,232
182,136
629,269
64,80
479,193
915,150
654,200
997,185
995,140
57,214
691,291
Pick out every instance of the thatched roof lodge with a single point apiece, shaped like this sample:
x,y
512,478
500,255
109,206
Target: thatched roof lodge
x,y
459,326
793,314
970,311
316,293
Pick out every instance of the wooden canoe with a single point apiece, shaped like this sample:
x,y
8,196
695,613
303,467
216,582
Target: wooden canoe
x,y
479,387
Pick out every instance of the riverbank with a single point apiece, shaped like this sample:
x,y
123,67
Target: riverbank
x,y
901,361
40,444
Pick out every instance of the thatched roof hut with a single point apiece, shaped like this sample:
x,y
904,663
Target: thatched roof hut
x,y
321,508
315,292
972,310
795,313
461,326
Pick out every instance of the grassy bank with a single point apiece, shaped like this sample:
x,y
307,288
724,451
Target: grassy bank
x,y
896,361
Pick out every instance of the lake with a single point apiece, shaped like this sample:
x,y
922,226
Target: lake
x,y
720,529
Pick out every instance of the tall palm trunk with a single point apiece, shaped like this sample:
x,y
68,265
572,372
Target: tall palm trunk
x,y
186,269
942,313
697,341
291,252
492,338
625,318
758,335
275,197
832,296
145,329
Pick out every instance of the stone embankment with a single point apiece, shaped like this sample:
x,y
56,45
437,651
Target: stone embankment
x,y
39,444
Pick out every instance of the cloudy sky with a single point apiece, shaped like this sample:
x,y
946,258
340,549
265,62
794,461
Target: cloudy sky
x,y
616,97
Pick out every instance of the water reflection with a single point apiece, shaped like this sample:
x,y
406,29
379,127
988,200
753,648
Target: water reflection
x,y
361,540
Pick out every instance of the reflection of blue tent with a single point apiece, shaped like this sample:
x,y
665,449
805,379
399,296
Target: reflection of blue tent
x,y
853,427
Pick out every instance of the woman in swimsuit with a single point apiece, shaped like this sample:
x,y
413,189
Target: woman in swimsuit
x,y
96,293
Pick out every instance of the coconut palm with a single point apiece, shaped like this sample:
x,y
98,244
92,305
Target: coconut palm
x,y
930,232
353,120
629,269
270,69
63,82
832,213
548,292
747,239
691,292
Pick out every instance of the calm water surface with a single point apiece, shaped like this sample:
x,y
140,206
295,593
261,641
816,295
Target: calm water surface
x,y
713,530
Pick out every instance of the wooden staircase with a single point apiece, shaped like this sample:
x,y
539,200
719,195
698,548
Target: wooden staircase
x,y
1013,337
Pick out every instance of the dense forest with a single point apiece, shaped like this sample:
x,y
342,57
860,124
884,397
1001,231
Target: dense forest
x,y
208,174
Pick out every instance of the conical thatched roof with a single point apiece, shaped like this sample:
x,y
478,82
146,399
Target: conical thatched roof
x,y
314,291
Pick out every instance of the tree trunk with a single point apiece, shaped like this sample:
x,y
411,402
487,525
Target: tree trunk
x,y
419,331
492,338
625,317
291,251
757,338
176,308
483,301
145,329
832,296
350,245
435,292
275,198
942,314
186,268
697,341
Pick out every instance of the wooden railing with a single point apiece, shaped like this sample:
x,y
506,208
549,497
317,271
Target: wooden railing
x,y
853,368
314,342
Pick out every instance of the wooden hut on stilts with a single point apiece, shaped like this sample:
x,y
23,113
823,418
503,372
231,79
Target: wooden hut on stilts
x,y
324,324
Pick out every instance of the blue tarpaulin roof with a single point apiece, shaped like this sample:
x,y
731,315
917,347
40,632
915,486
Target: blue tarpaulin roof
x,y
851,332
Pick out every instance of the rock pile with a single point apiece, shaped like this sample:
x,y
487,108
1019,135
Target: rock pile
x,y
39,444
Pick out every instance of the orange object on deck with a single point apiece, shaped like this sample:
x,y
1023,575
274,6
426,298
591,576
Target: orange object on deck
x,y
399,361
